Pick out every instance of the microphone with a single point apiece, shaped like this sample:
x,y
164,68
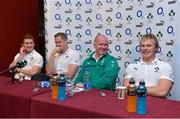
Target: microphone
x,y
19,64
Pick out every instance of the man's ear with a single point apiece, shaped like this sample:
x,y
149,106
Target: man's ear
x,y
94,44
156,50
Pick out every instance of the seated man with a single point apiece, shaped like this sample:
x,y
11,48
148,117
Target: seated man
x,y
33,58
103,67
63,59
158,75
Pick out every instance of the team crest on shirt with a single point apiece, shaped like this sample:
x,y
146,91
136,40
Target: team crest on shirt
x,y
156,69
102,62
31,58
112,63
88,62
66,56
135,68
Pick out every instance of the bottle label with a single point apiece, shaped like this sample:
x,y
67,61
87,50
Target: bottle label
x,y
87,86
141,92
54,83
61,83
132,91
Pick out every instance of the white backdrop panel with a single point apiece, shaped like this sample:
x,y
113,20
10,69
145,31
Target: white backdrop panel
x,y
123,21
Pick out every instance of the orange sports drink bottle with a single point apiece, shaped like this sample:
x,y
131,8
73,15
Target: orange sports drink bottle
x,y
54,86
131,98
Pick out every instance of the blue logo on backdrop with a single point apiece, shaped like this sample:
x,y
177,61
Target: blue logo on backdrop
x,y
159,50
128,32
109,1
88,2
78,17
160,11
137,48
108,32
57,16
68,2
148,30
118,15
139,13
68,32
88,32
118,48
126,64
98,17
170,30
45,32
78,47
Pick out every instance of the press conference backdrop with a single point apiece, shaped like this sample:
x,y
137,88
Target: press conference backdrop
x,y
123,21
176,59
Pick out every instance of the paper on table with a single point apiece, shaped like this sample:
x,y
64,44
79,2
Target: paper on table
x,y
78,89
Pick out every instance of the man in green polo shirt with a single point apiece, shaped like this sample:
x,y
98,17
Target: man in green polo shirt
x,y
103,67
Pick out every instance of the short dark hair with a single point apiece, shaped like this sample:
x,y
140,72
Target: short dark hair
x,y
150,36
62,35
27,36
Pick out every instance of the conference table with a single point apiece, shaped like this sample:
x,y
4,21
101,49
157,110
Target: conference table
x,y
15,98
19,100
91,104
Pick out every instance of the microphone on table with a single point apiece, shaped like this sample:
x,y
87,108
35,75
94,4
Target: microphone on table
x,y
19,64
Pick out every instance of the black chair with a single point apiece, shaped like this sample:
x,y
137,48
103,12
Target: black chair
x,y
40,77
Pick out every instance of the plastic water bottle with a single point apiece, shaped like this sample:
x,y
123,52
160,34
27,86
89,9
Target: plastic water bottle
x,y
43,84
61,87
131,98
141,98
86,79
54,86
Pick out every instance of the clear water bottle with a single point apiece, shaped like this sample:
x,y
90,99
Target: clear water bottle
x,y
141,98
62,87
131,96
86,79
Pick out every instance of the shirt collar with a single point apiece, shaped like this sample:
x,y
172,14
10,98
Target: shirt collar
x,y
67,52
32,52
93,56
155,61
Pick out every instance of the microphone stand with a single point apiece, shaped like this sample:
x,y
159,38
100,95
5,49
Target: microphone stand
x,y
4,70
12,80
10,68
19,64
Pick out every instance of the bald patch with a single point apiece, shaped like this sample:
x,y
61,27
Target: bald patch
x,y
98,37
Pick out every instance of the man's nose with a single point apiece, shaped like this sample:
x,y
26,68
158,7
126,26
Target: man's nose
x,y
58,44
145,48
104,46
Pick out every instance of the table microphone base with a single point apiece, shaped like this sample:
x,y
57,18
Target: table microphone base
x,y
12,80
